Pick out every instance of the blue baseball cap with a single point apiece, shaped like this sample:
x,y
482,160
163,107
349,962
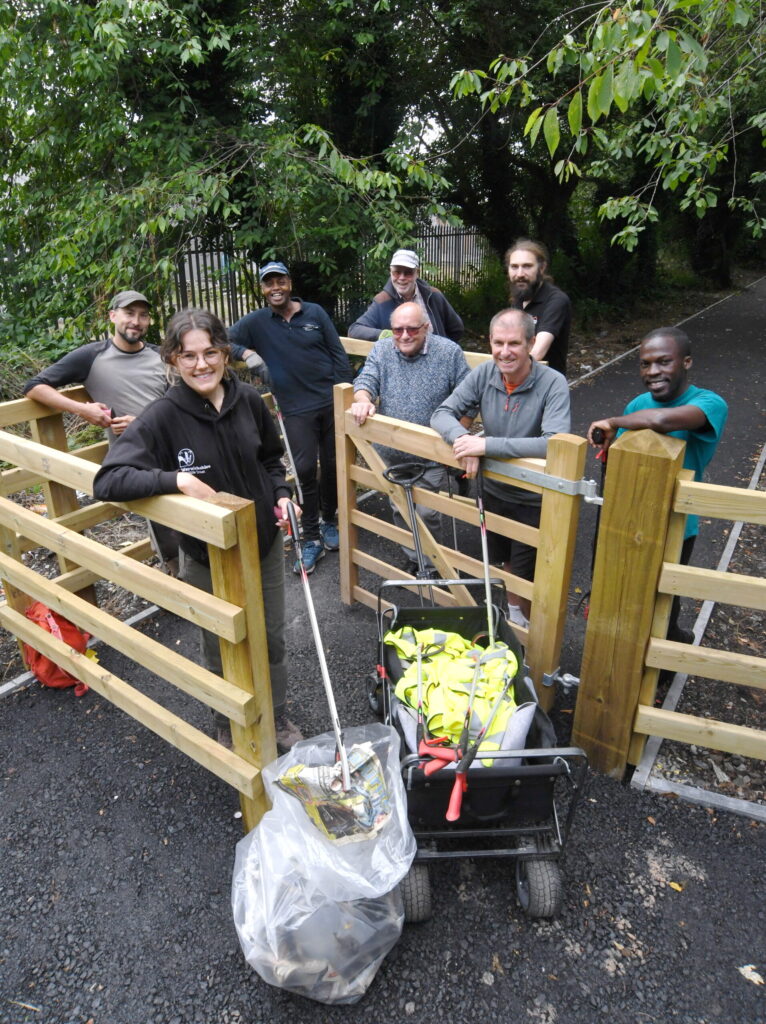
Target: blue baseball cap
x,y
273,268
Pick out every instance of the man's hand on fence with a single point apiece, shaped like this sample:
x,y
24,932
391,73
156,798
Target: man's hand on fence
x,y
601,433
361,411
469,445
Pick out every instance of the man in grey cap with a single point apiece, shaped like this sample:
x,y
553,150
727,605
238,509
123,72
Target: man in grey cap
x,y
121,374
405,285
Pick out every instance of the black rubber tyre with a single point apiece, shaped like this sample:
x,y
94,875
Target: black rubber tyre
x,y
539,887
415,889
375,694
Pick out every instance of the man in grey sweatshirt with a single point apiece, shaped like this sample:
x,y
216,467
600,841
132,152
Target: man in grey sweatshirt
x,y
410,374
522,404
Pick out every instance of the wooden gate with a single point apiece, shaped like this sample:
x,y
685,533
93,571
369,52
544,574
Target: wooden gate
x,y
554,540
647,496
234,611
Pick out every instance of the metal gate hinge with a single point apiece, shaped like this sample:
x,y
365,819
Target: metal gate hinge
x,y
588,489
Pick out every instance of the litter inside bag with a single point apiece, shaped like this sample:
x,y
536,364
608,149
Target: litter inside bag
x,y
315,895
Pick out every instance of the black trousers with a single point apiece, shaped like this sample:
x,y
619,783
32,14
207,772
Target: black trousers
x,y
312,437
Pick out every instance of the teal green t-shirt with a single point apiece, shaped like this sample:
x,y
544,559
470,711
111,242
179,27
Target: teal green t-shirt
x,y
700,444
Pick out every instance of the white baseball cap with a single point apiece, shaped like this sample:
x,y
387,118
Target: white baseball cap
x,y
405,258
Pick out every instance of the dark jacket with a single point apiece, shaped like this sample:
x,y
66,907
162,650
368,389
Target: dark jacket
x,y
237,450
444,320
304,355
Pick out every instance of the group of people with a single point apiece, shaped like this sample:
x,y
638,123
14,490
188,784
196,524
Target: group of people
x,y
180,421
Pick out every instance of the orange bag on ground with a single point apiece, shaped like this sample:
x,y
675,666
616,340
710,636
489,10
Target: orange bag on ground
x,y
47,671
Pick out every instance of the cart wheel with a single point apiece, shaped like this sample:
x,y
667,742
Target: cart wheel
x,y
539,887
375,693
415,889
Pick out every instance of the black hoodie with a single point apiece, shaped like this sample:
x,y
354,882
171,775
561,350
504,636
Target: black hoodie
x,y
237,450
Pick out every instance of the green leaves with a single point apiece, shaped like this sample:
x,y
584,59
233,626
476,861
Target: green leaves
x,y
551,130
660,92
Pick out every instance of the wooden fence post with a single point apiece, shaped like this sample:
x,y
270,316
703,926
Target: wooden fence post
x,y
345,454
558,533
60,499
638,496
236,573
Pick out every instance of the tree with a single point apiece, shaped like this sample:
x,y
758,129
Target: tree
x,y
672,88
129,126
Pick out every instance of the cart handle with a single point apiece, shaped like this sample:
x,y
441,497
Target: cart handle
x,y
405,473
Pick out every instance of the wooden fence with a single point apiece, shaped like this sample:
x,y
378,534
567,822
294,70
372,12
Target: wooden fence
x,y
636,575
554,539
234,611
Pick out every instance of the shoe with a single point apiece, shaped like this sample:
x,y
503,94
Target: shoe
x,y
517,616
313,550
411,566
223,736
329,534
681,636
287,734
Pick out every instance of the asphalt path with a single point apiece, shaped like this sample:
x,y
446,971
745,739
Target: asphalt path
x,y
117,851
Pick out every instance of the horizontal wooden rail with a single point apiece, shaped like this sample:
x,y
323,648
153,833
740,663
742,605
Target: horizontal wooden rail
x,y
399,536
205,686
705,732
360,348
416,440
728,666
710,585
81,519
195,744
461,508
22,410
720,502
79,578
180,598
200,519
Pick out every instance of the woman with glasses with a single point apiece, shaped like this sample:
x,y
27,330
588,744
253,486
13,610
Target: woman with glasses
x,y
208,433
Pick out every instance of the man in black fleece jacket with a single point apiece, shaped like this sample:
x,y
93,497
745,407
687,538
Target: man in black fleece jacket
x,y
305,359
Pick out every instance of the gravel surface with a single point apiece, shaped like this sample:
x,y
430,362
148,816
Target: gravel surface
x,y
117,859
117,856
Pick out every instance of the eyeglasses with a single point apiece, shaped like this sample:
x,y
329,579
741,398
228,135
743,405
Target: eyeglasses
x,y
399,331
211,357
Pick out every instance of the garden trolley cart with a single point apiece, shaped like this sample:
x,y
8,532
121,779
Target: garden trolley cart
x,y
521,807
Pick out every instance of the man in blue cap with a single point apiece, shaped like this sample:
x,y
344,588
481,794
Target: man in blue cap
x,y
305,359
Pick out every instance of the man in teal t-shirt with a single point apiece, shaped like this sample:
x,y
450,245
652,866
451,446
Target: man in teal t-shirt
x,y
671,406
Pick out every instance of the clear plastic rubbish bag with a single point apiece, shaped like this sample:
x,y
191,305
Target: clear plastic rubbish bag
x,y
316,915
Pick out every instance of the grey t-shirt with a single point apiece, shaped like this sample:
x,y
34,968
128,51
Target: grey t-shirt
x,y
124,381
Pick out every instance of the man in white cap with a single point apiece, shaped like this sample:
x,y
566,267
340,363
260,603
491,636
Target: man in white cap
x,y
121,374
405,285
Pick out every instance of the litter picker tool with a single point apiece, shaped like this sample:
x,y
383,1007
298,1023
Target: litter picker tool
x,y
294,532
485,555
429,747
288,450
460,784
